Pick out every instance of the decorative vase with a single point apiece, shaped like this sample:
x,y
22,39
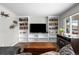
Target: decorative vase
x,y
62,33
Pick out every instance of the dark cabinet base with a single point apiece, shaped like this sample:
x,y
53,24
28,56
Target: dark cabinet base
x,y
62,41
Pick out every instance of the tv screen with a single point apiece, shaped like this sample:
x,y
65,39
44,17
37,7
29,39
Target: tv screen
x,y
37,28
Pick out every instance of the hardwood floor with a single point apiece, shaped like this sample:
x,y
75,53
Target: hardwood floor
x,y
38,47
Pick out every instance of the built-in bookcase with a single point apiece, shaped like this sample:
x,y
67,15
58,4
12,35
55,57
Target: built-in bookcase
x,y
52,27
72,26
23,29
49,36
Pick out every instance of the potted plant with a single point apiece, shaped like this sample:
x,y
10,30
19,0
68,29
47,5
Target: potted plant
x,y
61,30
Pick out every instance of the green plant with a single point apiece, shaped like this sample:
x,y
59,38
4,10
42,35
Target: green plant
x,y
61,30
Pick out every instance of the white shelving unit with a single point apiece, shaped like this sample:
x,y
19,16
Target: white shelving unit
x,y
52,28
23,29
72,26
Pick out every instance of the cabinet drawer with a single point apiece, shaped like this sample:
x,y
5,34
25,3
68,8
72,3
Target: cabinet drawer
x,y
42,35
33,36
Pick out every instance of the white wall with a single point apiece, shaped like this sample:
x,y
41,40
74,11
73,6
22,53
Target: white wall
x,y
38,19
8,37
73,10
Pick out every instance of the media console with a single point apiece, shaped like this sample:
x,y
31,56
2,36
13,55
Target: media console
x,y
38,37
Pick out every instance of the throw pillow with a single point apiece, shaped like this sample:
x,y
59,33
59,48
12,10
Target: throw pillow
x,y
67,50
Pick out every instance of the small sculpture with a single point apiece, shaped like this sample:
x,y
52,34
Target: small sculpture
x,y
3,14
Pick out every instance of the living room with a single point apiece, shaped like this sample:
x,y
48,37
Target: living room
x,y
39,28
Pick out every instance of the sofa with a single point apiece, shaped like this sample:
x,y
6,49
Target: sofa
x,y
10,50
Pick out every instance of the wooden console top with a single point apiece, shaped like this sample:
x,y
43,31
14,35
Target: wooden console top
x,y
38,47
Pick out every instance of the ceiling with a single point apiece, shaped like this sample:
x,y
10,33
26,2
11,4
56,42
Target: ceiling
x,y
38,9
76,17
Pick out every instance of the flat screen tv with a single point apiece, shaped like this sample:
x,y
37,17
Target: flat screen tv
x,y
37,28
